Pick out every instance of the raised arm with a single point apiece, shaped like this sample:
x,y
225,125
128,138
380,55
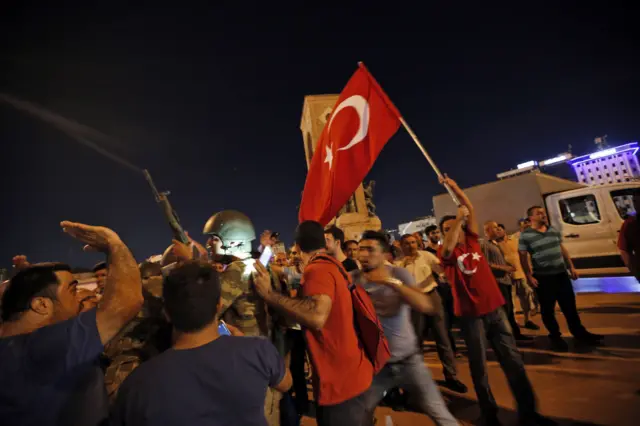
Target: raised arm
x,y
453,235
311,312
472,224
122,298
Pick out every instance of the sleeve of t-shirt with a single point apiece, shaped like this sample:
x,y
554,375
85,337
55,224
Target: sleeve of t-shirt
x,y
470,234
557,234
317,279
405,276
622,237
523,243
67,344
272,362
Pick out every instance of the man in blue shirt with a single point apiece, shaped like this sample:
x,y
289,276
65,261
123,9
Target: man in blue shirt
x,y
394,293
48,353
205,378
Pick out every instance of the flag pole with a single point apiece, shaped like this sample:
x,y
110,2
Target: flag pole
x,y
417,141
428,157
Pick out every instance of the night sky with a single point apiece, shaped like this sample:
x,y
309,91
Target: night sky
x,y
209,99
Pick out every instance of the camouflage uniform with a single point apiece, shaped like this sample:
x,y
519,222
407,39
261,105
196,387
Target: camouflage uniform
x,y
241,305
147,335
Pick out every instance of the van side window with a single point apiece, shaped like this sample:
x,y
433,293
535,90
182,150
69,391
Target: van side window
x,y
582,210
623,199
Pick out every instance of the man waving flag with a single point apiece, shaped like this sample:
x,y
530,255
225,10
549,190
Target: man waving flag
x,y
361,123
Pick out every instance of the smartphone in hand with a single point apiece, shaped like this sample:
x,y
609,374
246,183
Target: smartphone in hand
x,y
223,330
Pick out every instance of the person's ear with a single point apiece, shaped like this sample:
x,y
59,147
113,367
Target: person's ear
x,y
42,305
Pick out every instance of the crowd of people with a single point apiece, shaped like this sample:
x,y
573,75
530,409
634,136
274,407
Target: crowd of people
x,y
212,336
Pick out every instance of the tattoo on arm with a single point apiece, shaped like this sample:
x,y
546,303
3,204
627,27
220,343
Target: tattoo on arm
x,y
309,311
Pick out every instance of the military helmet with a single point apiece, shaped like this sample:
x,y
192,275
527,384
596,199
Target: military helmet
x,y
230,225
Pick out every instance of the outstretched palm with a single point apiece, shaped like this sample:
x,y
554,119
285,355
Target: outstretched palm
x,y
95,237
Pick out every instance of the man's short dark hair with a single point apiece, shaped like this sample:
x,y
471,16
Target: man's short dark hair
x,y
429,229
501,226
531,209
191,294
38,280
99,266
345,245
310,236
336,232
380,237
445,219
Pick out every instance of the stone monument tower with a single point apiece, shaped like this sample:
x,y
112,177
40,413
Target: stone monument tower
x,y
358,215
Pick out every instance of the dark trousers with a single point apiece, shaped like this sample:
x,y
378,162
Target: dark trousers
x,y
507,293
441,335
558,288
494,327
444,290
298,347
350,412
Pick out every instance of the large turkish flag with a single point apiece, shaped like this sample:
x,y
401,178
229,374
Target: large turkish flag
x,y
360,125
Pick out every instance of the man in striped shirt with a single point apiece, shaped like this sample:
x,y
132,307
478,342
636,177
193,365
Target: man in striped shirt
x,y
550,261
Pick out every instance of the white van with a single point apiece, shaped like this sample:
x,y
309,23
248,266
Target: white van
x,y
589,220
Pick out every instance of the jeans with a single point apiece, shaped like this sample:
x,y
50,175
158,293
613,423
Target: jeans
x,y
495,328
507,293
350,412
412,375
441,335
558,288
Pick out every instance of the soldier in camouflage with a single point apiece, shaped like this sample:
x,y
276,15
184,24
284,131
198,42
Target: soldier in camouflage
x,y
230,233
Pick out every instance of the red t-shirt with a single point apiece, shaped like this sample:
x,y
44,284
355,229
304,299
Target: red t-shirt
x,y
629,238
341,367
475,290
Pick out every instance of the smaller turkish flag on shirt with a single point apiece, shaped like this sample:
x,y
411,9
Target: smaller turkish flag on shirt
x,y
361,123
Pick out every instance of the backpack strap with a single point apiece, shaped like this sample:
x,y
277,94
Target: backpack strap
x,y
328,258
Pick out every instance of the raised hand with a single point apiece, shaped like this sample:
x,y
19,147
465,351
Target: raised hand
x,y
20,262
265,238
446,180
96,238
262,280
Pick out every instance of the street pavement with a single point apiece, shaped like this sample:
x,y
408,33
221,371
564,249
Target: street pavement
x,y
586,386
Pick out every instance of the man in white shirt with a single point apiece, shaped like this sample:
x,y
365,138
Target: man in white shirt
x,y
422,265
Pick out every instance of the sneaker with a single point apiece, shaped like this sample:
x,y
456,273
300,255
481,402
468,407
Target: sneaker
x,y
558,344
531,325
455,385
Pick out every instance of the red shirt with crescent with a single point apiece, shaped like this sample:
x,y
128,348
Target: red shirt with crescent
x,y
475,290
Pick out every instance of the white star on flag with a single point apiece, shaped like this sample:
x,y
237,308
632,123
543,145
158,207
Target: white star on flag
x,y
475,256
328,156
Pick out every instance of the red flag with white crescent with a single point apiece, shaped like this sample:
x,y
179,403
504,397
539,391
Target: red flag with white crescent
x,y
361,123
